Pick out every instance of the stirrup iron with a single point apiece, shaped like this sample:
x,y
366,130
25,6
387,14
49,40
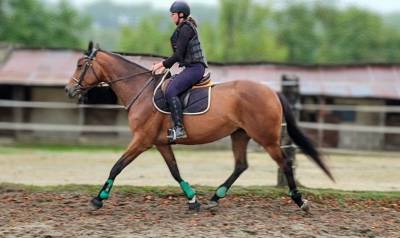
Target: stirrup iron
x,y
173,136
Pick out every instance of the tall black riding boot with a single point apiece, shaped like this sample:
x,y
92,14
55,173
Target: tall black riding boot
x,y
178,131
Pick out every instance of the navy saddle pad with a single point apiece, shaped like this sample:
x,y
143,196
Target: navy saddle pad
x,y
195,101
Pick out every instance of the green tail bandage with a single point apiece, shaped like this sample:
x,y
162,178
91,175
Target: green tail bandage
x,y
105,192
189,191
221,191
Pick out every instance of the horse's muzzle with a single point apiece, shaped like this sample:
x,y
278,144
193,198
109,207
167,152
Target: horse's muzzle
x,y
72,91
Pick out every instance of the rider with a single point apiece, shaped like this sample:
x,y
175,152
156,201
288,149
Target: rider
x,y
189,54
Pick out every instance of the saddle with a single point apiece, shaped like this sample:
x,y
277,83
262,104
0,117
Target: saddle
x,y
195,100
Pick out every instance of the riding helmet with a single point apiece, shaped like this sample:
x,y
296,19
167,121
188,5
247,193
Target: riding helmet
x,y
180,6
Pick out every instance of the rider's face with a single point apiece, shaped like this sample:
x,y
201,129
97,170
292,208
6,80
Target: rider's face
x,y
175,18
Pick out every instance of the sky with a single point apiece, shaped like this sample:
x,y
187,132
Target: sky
x,y
381,6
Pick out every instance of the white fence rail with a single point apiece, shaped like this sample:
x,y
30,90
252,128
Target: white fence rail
x,y
308,107
121,128
60,127
314,107
353,128
53,105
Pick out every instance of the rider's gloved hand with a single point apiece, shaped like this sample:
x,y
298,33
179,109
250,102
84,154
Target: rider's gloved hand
x,y
158,68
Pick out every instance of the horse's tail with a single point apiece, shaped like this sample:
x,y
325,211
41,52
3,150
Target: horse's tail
x,y
300,139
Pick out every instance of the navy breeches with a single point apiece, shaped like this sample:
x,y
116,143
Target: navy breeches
x,y
191,75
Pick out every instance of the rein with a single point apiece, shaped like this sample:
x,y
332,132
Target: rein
x,y
133,100
128,77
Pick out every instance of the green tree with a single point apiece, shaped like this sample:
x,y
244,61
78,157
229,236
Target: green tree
x,y
320,32
151,36
2,20
67,26
391,34
296,26
25,19
242,33
245,33
348,35
300,32
391,47
30,23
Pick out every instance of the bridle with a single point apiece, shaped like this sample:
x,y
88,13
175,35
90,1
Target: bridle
x,y
89,65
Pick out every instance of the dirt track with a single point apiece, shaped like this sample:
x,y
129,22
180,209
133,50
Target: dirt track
x,y
51,214
46,214
377,172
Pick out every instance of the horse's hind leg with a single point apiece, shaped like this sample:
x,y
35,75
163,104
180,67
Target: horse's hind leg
x,y
240,141
286,164
190,193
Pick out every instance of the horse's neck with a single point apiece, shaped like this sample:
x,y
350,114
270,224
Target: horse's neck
x,y
127,89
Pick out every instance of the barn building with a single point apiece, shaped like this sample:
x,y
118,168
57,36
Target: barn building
x,y
34,106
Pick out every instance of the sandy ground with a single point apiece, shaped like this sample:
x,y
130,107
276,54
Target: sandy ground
x,y
47,215
66,214
377,172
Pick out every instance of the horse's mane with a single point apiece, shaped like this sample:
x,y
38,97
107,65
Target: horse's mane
x,y
124,59
121,57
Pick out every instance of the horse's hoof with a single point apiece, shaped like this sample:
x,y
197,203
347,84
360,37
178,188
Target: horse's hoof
x,y
195,206
96,203
306,206
211,205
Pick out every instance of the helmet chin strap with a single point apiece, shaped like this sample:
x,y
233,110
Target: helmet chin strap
x,y
180,20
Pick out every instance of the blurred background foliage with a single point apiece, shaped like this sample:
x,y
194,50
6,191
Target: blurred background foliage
x,y
306,32
31,23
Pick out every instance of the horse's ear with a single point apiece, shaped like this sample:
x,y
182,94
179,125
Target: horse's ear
x,y
97,46
90,48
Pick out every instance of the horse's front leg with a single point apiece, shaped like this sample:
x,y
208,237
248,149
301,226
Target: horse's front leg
x,y
135,148
190,193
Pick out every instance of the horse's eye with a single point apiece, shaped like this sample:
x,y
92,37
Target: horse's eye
x,y
79,66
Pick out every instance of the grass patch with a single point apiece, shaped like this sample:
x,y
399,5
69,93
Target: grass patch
x,y
341,195
263,191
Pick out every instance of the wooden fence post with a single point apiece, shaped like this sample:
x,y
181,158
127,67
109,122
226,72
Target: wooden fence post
x,y
291,90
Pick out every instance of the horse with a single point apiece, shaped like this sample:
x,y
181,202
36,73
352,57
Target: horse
x,y
241,109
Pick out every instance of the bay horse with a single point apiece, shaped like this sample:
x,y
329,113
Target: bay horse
x,y
242,109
